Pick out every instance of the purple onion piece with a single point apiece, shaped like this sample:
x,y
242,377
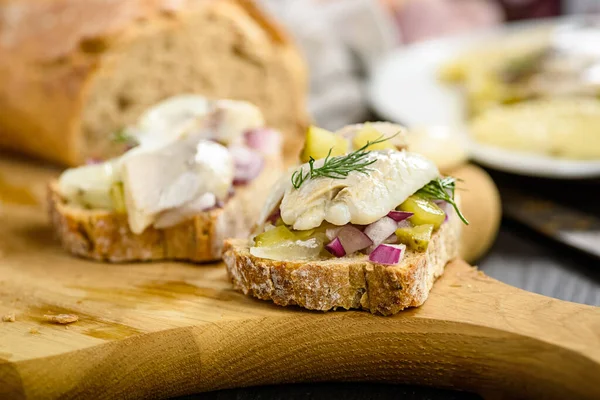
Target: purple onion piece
x,y
405,224
274,216
444,206
93,161
387,254
353,239
335,247
248,164
264,140
392,239
332,233
399,215
381,229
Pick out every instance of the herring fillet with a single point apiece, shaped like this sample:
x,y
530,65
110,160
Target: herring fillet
x,y
360,198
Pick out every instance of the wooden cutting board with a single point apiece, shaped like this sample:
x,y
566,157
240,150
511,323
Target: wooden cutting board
x,y
167,329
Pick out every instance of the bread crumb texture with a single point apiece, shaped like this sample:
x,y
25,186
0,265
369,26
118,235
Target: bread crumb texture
x,y
62,319
10,317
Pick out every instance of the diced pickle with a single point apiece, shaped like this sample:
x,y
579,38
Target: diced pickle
x,y
290,250
416,238
319,141
304,235
279,222
370,134
117,197
274,236
425,211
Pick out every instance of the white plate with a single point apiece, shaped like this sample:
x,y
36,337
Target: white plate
x,y
404,88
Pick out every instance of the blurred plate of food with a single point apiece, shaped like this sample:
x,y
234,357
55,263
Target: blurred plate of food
x,y
525,97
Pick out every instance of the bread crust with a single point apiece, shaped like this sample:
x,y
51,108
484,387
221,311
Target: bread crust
x,y
52,52
348,282
105,235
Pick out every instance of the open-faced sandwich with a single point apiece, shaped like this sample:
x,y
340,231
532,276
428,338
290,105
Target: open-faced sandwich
x,y
196,172
363,224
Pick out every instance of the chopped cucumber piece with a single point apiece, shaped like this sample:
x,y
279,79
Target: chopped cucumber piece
x,y
417,237
274,236
370,134
279,222
304,235
318,143
290,250
425,211
118,197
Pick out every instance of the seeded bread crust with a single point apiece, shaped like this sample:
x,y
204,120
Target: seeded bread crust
x,y
348,282
105,236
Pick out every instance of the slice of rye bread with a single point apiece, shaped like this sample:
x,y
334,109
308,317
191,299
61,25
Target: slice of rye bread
x,y
347,282
105,235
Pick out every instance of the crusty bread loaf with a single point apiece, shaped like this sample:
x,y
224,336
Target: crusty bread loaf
x,y
105,236
347,282
73,72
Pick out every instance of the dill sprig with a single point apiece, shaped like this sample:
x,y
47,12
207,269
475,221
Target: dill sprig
x,y
122,136
442,189
338,167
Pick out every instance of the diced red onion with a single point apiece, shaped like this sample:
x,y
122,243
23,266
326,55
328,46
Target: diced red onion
x,y
399,215
130,146
248,164
335,247
392,239
353,239
274,215
445,206
264,140
381,229
93,161
332,233
405,224
388,254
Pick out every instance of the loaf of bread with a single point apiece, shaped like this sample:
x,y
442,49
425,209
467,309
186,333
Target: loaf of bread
x,y
73,72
